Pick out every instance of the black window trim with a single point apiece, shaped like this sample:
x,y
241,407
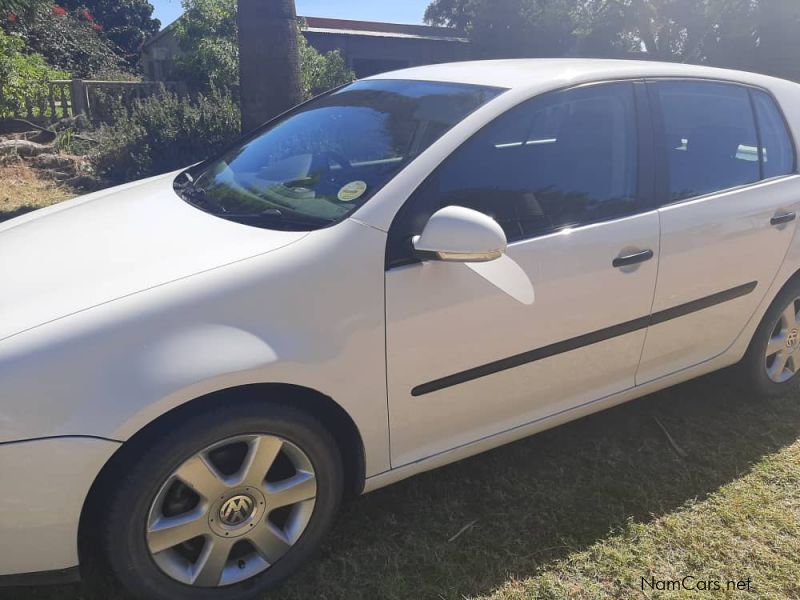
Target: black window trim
x,y
646,179
662,162
759,142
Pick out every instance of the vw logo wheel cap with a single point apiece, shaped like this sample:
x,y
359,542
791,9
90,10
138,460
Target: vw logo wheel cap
x,y
236,510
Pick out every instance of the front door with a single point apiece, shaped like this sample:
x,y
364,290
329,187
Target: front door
x,y
729,217
474,350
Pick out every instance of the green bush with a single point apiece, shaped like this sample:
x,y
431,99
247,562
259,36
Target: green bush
x,y
22,76
165,132
207,35
321,72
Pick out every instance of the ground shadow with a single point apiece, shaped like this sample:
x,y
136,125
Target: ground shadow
x,y
535,501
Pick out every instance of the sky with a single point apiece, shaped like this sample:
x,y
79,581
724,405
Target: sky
x,y
393,11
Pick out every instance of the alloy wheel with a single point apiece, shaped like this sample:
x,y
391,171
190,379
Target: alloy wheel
x,y
231,510
782,360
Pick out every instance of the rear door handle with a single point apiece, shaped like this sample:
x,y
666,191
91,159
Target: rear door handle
x,y
632,259
784,218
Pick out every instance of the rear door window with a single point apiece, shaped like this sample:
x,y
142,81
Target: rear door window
x,y
709,137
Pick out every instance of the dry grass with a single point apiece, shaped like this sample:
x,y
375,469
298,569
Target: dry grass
x,y
22,190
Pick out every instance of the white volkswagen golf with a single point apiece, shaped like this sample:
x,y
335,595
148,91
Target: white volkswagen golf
x,y
196,369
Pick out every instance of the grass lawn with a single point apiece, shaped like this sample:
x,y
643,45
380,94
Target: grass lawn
x,y
698,481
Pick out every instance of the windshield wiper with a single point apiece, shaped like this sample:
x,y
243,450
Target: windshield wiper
x,y
274,215
186,187
189,190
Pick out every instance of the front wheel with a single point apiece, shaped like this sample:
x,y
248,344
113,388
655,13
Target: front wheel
x,y
772,361
224,507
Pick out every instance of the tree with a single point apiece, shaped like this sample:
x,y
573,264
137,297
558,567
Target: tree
x,y
745,34
127,23
676,30
17,7
510,28
207,34
68,41
778,24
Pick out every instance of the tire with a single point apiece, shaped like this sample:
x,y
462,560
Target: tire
x,y
758,371
153,493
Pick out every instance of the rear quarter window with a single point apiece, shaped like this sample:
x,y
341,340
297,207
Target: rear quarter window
x,y
776,143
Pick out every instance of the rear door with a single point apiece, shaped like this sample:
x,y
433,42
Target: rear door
x,y
729,199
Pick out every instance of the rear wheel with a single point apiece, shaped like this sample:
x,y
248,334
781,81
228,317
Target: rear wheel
x,y
772,361
224,507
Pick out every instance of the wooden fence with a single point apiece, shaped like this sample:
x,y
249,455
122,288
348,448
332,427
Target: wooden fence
x,y
54,100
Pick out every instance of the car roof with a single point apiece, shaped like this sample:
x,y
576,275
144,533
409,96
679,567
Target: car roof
x,y
562,72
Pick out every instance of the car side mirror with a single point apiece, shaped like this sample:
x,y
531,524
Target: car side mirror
x,y
458,234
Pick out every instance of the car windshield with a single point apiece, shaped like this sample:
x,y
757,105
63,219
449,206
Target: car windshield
x,y
322,161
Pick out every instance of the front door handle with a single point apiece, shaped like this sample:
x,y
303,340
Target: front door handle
x,y
784,218
632,259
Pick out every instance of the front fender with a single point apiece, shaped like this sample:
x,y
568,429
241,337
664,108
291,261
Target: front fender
x,y
292,316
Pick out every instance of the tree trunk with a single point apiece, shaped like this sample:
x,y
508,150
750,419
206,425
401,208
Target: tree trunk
x,y
269,69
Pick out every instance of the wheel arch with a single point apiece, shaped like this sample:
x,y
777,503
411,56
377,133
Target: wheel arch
x,y
779,285
323,407
793,277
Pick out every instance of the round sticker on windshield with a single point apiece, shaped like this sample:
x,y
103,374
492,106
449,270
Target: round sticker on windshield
x,y
352,191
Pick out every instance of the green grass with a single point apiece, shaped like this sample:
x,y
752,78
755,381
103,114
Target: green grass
x,y
582,511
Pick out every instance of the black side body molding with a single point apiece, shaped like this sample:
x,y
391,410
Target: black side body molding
x,y
583,340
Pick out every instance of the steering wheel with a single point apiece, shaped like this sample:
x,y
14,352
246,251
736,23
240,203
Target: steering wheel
x,y
329,156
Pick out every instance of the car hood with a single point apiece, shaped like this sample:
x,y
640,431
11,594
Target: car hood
x,y
97,248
